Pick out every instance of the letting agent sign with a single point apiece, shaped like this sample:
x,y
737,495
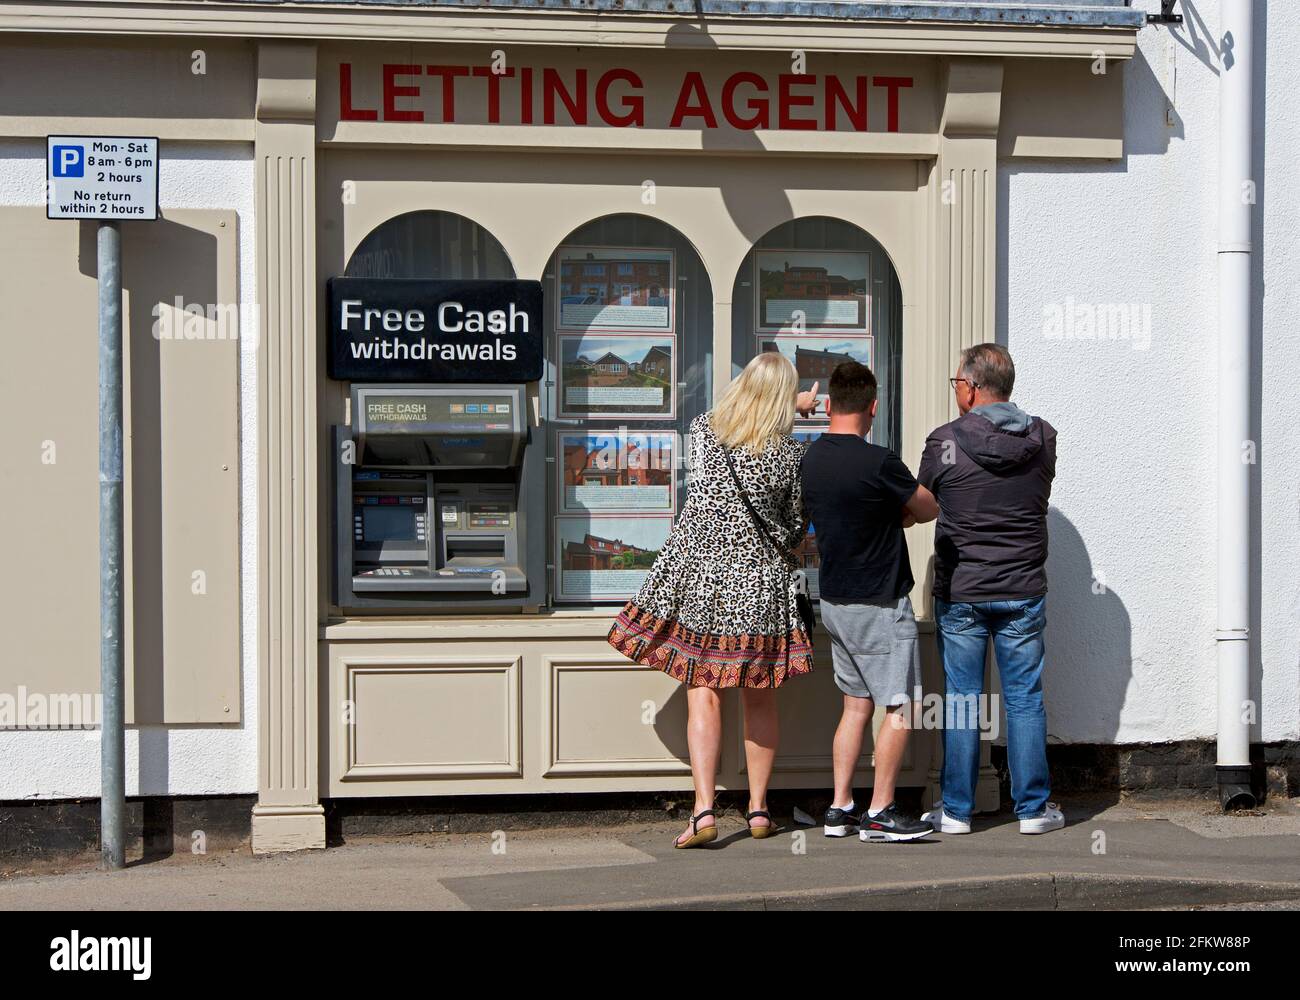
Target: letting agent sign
x,y
101,177
677,91
394,329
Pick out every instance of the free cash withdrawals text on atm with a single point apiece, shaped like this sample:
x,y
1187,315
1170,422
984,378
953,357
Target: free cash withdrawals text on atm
x,y
439,478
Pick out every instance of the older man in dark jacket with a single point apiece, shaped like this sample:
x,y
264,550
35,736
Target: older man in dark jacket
x,y
991,470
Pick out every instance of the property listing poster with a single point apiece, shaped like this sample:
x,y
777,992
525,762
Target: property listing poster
x,y
602,558
613,288
616,471
815,357
813,291
618,376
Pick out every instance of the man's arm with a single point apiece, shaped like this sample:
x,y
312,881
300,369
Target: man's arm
x,y
917,501
921,508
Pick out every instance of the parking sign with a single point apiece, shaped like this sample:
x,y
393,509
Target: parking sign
x,y
101,177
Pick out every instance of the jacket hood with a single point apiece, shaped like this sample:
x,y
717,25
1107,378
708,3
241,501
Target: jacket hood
x,y
1002,445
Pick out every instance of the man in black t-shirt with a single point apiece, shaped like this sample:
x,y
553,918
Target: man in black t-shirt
x,y
858,498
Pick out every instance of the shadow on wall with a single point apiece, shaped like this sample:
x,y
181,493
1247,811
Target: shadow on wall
x,y
160,263
741,187
1195,36
1150,122
1151,119
1089,641
1089,650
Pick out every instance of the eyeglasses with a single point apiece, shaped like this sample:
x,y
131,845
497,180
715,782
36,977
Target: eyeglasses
x,y
953,382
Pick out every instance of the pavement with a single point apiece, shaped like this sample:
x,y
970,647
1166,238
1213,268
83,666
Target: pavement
x,y
1165,854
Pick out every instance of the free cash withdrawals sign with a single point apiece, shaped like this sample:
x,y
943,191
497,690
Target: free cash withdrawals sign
x,y
410,330
101,177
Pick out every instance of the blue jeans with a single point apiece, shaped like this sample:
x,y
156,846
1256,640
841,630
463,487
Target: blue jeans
x,y
963,632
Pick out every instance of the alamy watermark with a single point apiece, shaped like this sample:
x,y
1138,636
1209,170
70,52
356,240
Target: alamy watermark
x,y
181,320
1118,321
24,709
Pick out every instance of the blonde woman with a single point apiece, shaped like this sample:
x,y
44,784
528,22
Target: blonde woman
x,y
719,607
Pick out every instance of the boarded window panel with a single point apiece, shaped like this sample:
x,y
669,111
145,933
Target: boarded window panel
x,y
183,466
182,426
49,473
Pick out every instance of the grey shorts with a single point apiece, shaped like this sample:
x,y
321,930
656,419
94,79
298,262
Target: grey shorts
x,y
873,650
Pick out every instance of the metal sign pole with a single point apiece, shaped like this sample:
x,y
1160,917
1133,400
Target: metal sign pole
x,y
111,646
107,177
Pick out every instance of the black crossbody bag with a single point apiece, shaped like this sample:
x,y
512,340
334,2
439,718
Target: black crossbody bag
x,y
803,603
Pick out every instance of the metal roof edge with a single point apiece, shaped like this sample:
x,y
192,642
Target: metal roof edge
x,y
1081,13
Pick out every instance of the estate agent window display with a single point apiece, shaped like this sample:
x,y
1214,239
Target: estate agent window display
x,y
630,313
819,291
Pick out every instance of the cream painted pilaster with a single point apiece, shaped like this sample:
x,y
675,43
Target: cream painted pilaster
x,y
965,264
721,348
966,213
288,815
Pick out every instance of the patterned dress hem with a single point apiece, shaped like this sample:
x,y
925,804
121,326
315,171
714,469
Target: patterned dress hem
x,y
699,659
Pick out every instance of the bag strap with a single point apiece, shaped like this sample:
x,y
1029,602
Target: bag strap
x,y
753,514
781,553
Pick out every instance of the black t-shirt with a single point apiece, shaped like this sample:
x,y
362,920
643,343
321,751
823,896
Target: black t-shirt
x,y
853,495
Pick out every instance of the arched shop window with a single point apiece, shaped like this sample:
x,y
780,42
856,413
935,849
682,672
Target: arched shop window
x,y
822,291
629,365
430,245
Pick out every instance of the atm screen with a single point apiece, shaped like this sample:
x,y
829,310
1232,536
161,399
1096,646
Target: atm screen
x,y
388,524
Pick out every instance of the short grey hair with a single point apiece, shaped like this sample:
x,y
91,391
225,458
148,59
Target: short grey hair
x,y
989,367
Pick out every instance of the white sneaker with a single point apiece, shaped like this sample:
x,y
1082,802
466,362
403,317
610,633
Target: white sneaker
x,y
1052,819
943,823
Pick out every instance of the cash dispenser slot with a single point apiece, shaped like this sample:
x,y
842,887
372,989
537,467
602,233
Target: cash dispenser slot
x,y
475,550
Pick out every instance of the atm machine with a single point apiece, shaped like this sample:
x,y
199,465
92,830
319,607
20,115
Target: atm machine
x,y
440,500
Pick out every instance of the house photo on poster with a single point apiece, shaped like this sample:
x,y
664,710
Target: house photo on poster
x,y
606,558
814,358
603,288
812,291
625,471
628,376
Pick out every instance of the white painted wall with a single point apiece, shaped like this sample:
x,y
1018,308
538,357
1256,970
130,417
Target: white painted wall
x,y
1134,502
180,760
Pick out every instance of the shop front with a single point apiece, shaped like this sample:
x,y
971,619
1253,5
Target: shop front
x,y
681,214
663,271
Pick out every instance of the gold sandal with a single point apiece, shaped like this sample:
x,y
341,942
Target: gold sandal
x,y
761,832
698,837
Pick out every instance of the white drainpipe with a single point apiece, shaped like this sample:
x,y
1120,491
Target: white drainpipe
x,y
1235,202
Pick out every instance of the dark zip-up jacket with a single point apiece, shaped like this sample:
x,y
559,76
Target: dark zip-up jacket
x,y
993,482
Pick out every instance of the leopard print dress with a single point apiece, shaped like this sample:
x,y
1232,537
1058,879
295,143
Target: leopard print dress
x,y
717,608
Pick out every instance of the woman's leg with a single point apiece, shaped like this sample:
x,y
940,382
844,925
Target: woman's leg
x,y
761,732
704,739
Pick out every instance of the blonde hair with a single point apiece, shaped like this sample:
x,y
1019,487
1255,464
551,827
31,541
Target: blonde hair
x,y
757,409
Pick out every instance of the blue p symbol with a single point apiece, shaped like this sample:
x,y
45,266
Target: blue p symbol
x,y
69,161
